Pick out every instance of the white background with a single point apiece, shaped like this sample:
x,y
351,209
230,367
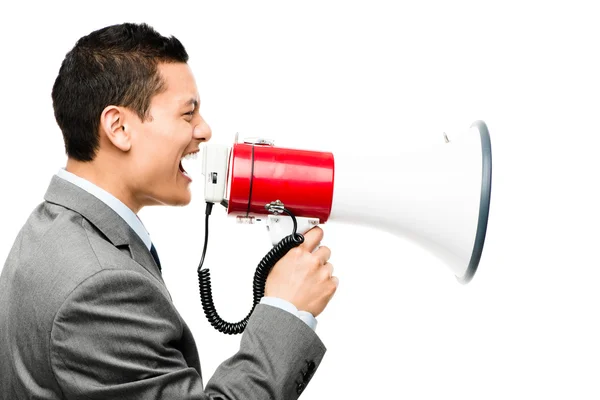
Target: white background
x,y
342,77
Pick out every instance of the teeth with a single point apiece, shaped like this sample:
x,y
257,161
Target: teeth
x,y
188,164
191,156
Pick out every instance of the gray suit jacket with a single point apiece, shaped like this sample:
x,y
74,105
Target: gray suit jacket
x,y
85,314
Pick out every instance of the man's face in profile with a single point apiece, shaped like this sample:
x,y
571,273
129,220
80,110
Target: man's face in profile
x,y
173,129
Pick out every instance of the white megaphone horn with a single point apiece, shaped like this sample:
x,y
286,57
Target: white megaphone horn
x,y
438,197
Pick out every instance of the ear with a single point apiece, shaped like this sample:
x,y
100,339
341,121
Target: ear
x,y
113,125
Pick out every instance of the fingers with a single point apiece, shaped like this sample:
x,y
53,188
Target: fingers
x,y
332,279
336,282
323,253
312,238
328,270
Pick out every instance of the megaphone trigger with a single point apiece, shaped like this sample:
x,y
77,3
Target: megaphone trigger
x,y
280,226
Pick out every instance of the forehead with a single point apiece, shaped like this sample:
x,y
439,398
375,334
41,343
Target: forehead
x,y
180,85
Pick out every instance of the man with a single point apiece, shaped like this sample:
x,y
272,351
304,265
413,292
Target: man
x,y
84,312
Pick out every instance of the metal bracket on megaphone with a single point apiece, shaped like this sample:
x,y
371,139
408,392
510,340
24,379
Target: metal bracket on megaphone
x,y
279,226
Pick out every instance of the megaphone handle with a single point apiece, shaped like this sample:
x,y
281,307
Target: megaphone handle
x,y
260,279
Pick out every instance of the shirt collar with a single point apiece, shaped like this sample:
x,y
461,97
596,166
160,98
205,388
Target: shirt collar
x,y
117,205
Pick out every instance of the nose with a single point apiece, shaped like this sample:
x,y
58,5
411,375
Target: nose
x,y
202,131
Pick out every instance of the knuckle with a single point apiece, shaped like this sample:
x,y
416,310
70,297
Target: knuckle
x,y
315,261
295,252
334,283
332,287
325,274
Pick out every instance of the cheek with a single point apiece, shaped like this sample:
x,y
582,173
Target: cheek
x,y
155,162
160,147
185,131
177,133
166,140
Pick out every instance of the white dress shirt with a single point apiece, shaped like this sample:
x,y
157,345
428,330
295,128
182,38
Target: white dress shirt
x,y
136,224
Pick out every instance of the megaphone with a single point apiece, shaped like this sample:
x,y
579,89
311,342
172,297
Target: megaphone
x,y
438,197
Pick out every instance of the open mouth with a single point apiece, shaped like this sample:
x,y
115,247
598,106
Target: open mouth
x,y
185,160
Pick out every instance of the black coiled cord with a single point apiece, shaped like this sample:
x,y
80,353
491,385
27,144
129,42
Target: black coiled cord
x,y
260,278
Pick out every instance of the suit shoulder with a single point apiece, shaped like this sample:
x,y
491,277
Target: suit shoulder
x,y
51,256
61,242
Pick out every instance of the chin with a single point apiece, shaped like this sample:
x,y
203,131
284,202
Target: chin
x,y
176,199
182,200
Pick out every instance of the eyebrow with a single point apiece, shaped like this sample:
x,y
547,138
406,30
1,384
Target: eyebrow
x,y
191,102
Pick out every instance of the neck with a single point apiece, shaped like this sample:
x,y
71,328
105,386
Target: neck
x,y
103,175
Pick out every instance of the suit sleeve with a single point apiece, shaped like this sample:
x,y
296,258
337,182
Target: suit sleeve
x,y
116,336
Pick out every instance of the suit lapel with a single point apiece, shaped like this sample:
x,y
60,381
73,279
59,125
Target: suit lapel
x,y
104,218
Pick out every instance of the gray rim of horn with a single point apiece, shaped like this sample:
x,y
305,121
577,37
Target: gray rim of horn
x,y
484,203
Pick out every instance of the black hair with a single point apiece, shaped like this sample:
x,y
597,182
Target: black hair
x,y
116,65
